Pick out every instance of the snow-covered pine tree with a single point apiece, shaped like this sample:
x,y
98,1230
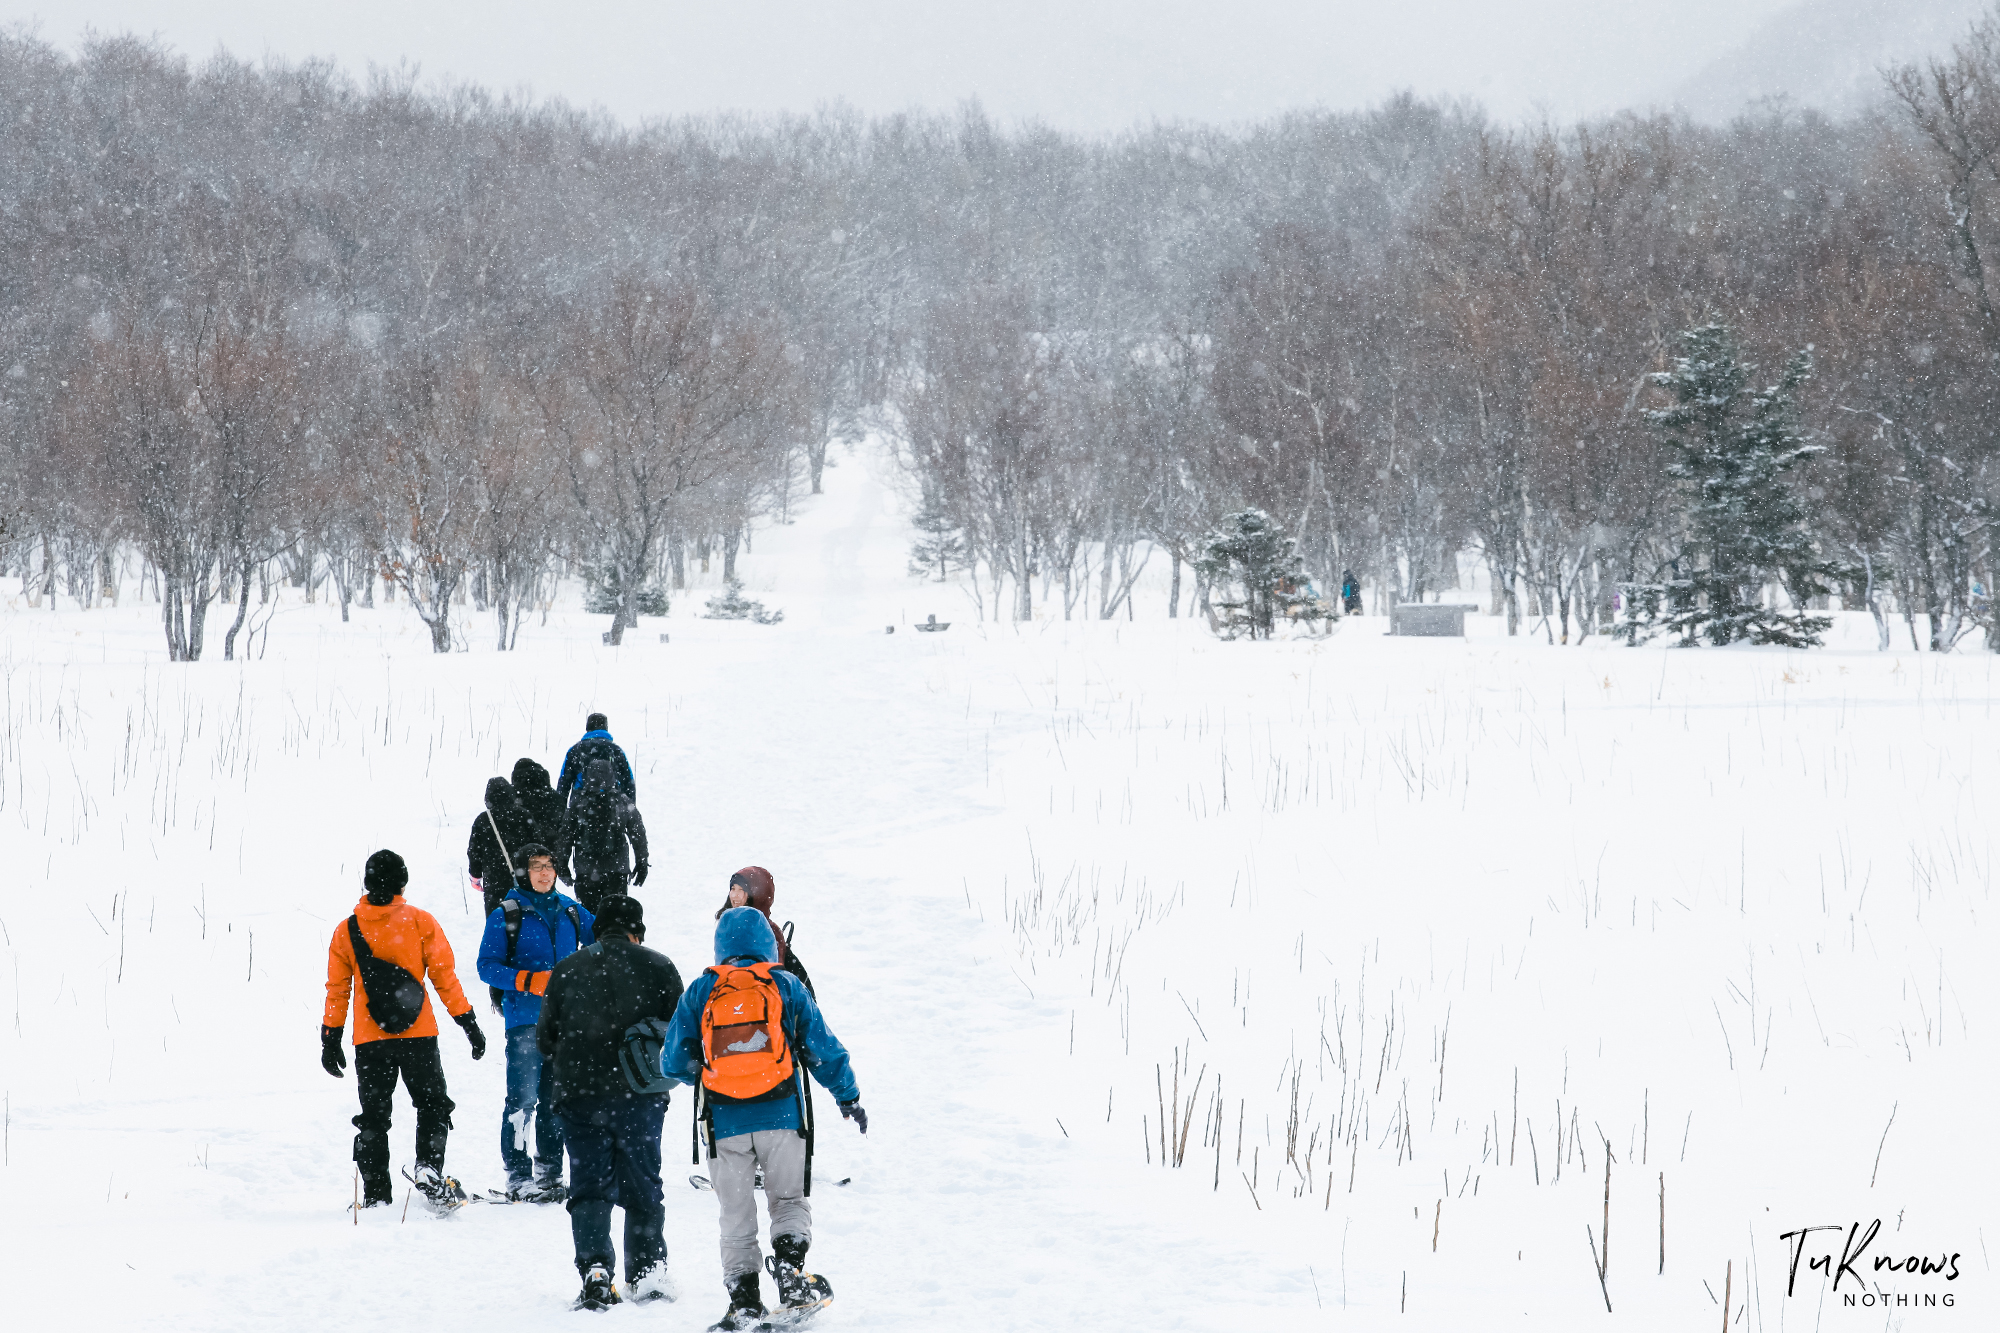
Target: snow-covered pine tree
x,y
600,593
1250,552
942,543
1745,527
731,604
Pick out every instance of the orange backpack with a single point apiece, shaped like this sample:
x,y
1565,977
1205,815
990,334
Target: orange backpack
x,y
743,1049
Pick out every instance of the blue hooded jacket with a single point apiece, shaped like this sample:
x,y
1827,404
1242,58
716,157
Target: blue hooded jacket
x,y
547,937
742,933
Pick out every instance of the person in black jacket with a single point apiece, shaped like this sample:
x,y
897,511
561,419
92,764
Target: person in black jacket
x,y
492,851
596,744
600,824
539,799
613,1132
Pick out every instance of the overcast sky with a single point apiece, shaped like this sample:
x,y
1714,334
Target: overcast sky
x,y
1080,64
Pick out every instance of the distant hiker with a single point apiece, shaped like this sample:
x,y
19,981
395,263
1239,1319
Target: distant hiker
x,y
492,852
752,886
392,946
745,1033
596,744
1350,593
533,929
603,1027
600,823
543,804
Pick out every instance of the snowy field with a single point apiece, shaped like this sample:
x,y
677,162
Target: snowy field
x,y
1406,941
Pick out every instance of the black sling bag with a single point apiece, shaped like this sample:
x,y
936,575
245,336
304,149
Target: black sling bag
x,y
395,999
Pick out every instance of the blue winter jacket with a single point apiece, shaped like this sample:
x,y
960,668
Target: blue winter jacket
x,y
540,947
742,935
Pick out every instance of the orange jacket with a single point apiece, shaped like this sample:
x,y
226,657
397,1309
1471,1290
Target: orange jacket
x,y
406,936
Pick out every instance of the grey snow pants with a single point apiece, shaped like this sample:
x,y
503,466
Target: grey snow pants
x,y
782,1154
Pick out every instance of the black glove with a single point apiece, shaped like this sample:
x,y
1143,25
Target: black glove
x,y
639,874
852,1111
470,1022
331,1058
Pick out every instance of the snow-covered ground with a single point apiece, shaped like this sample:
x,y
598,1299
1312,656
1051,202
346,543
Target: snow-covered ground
x,y
1404,939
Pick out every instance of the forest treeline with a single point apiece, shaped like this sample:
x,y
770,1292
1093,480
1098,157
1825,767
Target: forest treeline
x,y
263,322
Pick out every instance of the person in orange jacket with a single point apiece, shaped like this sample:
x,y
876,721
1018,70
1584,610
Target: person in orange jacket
x,y
390,946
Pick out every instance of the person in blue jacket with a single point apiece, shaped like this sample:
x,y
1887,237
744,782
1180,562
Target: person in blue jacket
x,y
771,1131
596,744
532,930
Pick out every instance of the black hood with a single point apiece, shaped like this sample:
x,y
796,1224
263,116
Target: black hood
x,y
530,777
499,795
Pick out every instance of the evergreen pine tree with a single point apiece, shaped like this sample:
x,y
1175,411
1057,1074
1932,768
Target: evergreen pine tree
x,y
1745,527
600,593
942,544
731,604
1251,551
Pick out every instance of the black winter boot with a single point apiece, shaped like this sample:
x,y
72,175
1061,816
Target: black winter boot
x,y
797,1288
746,1305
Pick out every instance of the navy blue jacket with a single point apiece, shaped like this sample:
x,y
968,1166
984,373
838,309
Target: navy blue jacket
x,y
536,951
742,934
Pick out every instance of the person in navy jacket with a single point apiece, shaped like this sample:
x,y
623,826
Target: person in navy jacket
x,y
765,1131
549,926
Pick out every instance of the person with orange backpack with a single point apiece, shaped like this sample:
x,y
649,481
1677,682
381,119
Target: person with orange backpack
x,y
389,946
745,1034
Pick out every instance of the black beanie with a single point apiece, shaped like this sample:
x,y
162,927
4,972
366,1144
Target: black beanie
x,y
620,915
597,722
385,876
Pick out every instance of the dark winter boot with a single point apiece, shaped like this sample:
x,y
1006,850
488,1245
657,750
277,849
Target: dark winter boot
x,y
746,1305
797,1288
599,1291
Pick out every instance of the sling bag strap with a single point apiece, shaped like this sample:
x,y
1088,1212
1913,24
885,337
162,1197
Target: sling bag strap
x,y
505,855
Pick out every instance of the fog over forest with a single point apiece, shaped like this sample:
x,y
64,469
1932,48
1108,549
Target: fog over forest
x,y
271,320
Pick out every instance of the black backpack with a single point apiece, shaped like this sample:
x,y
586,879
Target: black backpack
x,y
395,999
639,1057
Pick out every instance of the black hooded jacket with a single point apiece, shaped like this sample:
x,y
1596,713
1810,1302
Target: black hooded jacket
x,y
602,820
544,806
593,996
483,855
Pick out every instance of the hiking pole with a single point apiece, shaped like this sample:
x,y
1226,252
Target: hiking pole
x,y
357,1196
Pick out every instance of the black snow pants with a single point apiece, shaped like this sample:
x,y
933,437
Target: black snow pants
x,y
376,1064
592,890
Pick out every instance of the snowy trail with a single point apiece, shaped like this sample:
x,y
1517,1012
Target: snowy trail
x,y
1447,922
210,1196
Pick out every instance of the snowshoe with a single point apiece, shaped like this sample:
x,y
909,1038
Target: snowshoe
x,y
655,1284
599,1291
541,1192
442,1193
702,1182
799,1292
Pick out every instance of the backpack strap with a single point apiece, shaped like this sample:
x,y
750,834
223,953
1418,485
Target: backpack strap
x,y
575,925
510,917
358,940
